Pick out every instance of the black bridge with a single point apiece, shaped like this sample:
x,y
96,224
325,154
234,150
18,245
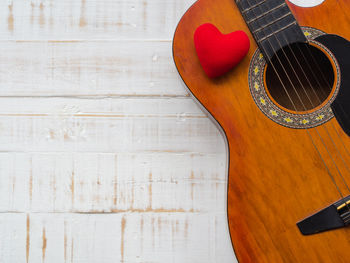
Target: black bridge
x,y
334,216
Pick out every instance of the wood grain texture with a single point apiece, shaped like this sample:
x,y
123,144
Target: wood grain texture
x,y
104,157
88,68
90,19
276,176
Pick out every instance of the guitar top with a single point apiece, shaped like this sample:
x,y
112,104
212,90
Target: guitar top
x,y
285,112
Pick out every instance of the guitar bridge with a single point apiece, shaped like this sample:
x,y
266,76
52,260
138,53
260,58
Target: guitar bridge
x,y
336,215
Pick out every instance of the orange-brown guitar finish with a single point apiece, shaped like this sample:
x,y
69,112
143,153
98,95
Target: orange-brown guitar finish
x,y
276,177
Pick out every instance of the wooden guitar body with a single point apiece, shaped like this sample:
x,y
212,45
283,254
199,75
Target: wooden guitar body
x,y
276,175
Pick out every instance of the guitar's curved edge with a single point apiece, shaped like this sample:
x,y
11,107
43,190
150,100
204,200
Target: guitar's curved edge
x,y
216,123
227,168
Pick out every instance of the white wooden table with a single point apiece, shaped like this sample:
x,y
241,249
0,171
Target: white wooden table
x,y
104,157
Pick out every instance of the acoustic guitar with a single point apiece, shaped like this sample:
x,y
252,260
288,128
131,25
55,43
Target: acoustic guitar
x,y
285,113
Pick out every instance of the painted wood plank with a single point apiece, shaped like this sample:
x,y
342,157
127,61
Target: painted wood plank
x,y
12,237
308,3
119,107
104,157
90,19
112,183
108,135
109,238
88,68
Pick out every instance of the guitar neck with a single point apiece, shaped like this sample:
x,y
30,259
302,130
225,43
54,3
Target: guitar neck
x,y
272,24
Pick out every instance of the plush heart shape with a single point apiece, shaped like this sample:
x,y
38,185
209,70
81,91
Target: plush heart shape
x,y
217,52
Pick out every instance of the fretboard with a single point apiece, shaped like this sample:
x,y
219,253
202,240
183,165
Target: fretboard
x,y
272,24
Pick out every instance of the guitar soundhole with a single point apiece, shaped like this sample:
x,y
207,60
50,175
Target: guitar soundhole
x,y
307,76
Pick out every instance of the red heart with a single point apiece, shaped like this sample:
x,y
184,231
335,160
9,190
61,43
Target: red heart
x,y
217,52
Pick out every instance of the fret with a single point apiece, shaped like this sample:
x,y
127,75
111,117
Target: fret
x,y
270,17
270,23
260,9
266,13
276,32
253,6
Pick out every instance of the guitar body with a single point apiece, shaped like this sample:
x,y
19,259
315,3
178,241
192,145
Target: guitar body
x,y
276,175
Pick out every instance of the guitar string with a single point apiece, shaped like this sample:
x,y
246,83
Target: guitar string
x,y
337,168
343,179
308,97
328,171
327,83
324,94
